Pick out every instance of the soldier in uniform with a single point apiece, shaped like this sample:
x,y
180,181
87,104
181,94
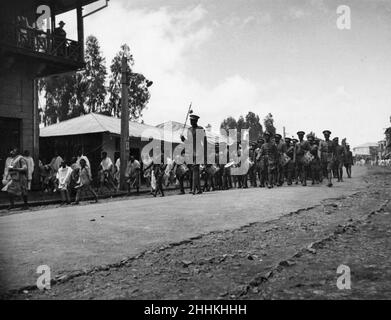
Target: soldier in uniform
x,y
339,159
281,150
326,155
199,146
348,161
315,163
295,175
252,170
302,147
289,167
260,163
269,154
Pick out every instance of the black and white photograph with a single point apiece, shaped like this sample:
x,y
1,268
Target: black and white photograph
x,y
202,151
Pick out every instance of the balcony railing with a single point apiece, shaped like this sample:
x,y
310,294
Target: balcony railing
x,y
36,41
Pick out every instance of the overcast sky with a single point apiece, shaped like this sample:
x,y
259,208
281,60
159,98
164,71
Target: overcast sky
x,y
229,57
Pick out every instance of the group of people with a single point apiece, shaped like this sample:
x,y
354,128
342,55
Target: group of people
x,y
271,160
58,175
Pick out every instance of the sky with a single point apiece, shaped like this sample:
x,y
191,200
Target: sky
x,y
228,57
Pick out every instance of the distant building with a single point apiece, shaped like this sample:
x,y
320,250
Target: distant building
x,y
388,142
367,150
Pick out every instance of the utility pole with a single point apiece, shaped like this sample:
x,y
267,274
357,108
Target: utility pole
x,y
124,123
283,130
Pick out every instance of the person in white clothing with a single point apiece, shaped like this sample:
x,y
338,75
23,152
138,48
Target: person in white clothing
x,y
106,173
80,156
63,178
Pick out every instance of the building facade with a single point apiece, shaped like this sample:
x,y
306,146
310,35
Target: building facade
x,y
27,53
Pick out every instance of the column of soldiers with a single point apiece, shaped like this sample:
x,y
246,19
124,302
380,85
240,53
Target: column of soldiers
x,y
272,160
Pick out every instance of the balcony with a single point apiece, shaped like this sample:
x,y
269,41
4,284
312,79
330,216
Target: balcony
x,y
61,53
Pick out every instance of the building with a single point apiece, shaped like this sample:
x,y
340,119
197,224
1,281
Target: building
x,y
26,54
368,150
388,143
94,133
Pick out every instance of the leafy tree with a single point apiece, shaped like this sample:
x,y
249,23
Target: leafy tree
x,y
250,122
94,76
139,94
229,123
71,95
254,125
268,122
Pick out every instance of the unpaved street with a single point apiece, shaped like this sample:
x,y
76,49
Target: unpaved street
x,y
219,245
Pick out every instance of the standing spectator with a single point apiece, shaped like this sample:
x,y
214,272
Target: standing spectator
x,y
30,168
106,172
80,156
17,186
63,179
84,182
132,174
59,41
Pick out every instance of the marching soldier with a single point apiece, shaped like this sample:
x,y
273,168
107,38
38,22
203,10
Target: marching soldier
x,y
289,167
326,154
339,159
315,162
260,163
270,154
252,171
281,150
301,164
348,161
199,145
295,174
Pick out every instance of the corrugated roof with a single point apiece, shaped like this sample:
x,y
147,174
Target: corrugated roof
x,y
95,123
367,145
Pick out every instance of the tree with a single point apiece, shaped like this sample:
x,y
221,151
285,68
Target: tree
x,y
138,87
254,125
71,95
229,123
250,122
269,124
94,76
59,95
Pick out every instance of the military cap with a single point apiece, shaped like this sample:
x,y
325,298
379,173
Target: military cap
x,y
295,140
278,136
267,133
336,138
327,132
288,139
194,117
300,133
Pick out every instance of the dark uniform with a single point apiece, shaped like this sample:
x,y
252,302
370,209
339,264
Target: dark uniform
x,y
315,162
269,155
339,159
326,154
199,146
302,166
289,167
348,161
252,170
260,167
281,151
